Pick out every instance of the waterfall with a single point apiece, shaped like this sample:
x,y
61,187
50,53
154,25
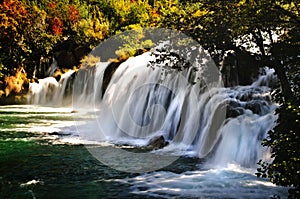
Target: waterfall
x,y
87,89
49,91
140,102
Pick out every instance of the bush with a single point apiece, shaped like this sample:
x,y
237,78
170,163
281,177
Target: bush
x,y
284,141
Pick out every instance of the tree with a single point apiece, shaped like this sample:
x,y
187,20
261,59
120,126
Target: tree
x,y
271,28
284,141
241,26
14,19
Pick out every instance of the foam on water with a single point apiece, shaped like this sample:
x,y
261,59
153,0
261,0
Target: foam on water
x,y
223,126
231,181
226,181
139,103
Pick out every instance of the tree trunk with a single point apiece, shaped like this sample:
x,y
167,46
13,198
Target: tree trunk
x,y
280,72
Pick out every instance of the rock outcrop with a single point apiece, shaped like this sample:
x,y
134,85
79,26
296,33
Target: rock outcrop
x,y
157,142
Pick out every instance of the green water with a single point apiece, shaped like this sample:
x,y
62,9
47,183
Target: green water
x,y
59,171
62,171
31,166
37,163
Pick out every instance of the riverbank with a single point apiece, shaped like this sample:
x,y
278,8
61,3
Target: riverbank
x,y
14,99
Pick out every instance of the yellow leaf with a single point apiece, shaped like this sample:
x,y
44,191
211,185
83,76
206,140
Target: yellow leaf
x,y
199,13
241,3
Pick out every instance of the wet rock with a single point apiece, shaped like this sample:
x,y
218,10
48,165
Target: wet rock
x,y
54,133
233,109
157,142
108,73
233,104
245,96
59,133
254,106
234,112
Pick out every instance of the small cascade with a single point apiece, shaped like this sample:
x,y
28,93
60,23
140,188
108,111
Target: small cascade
x,y
249,116
50,92
140,102
87,89
52,68
268,78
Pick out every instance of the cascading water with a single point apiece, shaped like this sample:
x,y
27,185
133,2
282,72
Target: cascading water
x,y
214,133
225,124
49,91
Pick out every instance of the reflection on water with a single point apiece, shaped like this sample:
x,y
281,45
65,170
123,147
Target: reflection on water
x,y
43,157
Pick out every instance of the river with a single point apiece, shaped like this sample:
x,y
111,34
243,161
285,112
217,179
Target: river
x,y
41,157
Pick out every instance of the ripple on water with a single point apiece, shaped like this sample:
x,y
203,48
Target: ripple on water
x,y
29,167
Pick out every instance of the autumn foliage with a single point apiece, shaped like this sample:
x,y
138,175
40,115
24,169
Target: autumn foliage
x,y
30,32
56,26
16,82
74,14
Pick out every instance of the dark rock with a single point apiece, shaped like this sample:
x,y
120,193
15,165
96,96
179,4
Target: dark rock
x,y
157,142
108,73
58,133
112,67
233,109
254,106
57,77
245,96
234,112
54,133
233,104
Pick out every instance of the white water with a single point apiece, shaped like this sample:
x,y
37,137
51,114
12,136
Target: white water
x,y
228,181
231,181
134,109
140,103
50,92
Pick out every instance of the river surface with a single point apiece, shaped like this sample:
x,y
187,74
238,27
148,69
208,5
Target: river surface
x,y
41,156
